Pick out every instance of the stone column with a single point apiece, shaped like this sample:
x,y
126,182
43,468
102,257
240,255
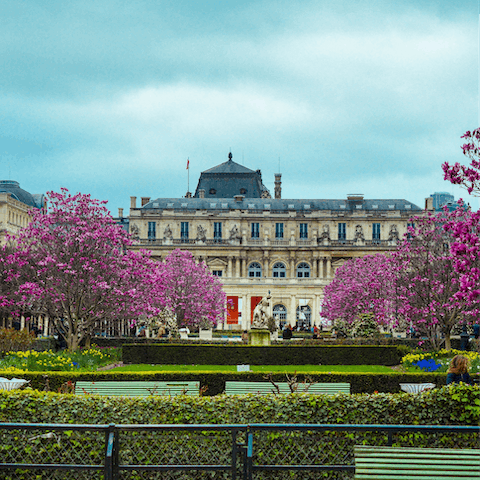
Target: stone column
x,y
292,311
329,267
45,326
320,265
292,265
237,267
229,267
265,263
244,267
314,267
245,307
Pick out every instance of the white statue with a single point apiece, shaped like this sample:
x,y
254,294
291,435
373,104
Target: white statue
x,y
260,313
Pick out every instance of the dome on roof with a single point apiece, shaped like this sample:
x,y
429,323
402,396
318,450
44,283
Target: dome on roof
x,y
13,188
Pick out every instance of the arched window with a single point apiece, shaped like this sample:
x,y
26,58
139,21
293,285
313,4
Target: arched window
x,y
280,311
303,270
243,191
255,270
304,317
279,270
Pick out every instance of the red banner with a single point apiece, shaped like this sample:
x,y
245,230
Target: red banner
x,y
232,310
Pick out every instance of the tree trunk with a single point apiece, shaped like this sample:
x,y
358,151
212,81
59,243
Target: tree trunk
x,y
448,343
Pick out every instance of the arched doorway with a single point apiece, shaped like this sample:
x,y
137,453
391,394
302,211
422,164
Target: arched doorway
x,y
304,317
280,311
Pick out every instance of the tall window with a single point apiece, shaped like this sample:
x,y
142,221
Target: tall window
x,y
217,231
184,231
303,270
376,232
255,230
409,225
279,270
152,229
279,230
304,230
255,270
342,231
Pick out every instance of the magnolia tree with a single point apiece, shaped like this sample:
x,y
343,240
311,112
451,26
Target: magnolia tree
x,y
72,263
429,290
467,176
465,229
189,289
361,286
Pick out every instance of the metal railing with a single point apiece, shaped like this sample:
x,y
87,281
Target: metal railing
x,y
246,452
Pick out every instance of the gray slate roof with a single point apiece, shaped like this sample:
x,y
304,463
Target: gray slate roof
x,y
261,204
13,188
229,179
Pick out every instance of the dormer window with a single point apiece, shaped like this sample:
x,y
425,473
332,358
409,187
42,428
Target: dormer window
x,y
212,191
243,191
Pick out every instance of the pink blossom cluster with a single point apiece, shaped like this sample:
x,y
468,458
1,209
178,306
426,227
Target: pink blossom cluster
x,y
466,176
73,264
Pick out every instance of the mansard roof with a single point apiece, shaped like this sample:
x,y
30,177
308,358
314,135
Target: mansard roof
x,y
229,179
284,205
13,188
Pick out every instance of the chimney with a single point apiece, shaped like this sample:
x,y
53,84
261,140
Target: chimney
x,y
120,213
145,200
133,202
429,204
278,185
201,193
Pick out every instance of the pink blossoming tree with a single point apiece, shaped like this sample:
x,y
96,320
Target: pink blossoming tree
x,y
429,288
362,286
466,176
73,264
189,289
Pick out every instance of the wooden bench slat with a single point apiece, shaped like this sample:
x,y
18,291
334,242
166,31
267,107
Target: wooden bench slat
x,y
404,463
235,388
136,388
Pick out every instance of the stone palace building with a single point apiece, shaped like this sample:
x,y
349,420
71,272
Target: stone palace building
x,y
258,244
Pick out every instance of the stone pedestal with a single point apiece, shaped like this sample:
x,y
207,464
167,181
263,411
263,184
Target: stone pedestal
x,y
259,336
205,334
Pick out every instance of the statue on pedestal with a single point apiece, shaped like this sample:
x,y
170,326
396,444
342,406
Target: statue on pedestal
x,y
261,315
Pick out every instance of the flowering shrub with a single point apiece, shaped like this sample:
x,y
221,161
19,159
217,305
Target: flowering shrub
x,y
32,361
442,357
12,340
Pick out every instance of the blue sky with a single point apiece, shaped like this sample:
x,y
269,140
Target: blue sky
x,y
111,97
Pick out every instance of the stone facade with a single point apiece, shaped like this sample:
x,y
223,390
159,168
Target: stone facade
x,y
15,205
287,247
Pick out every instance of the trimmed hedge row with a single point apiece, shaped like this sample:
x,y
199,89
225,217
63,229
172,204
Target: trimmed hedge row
x,y
170,354
451,405
214,382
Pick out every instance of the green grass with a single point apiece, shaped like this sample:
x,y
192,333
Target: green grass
x,y
259,368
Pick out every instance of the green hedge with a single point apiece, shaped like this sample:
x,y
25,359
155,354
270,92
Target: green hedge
x,y
451,405
168,354
214,382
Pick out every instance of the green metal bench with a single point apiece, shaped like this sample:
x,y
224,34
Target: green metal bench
x,y
136,389
263,388
405,463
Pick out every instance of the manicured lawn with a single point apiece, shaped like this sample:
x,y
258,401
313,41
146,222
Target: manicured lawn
x,y
254,368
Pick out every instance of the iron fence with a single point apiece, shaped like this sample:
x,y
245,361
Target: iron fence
x,y
177,452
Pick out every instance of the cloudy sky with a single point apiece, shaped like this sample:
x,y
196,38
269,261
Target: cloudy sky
x,y
112,97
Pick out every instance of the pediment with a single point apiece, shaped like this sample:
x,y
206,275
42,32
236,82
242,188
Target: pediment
x,y
216,262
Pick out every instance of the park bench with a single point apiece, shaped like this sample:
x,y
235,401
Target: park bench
x,y
262,388
136,389
402,463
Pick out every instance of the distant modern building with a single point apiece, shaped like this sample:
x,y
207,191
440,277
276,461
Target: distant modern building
x,y
259,244
15,205
440,199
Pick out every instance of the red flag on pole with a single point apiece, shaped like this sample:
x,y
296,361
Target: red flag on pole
x,y
188,163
